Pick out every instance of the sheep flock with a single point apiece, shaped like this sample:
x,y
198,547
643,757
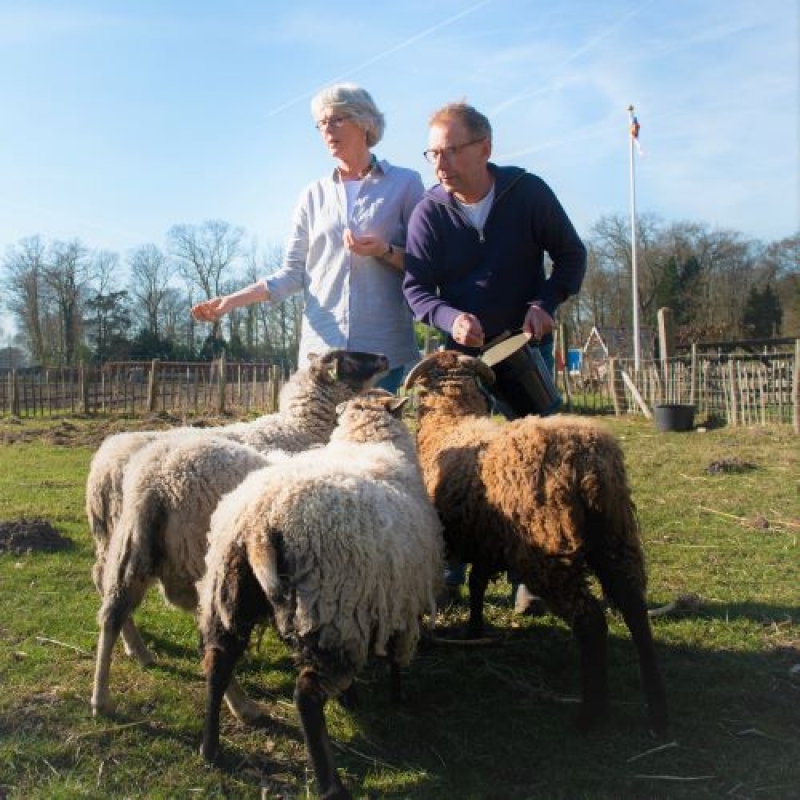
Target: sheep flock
x,y
329,521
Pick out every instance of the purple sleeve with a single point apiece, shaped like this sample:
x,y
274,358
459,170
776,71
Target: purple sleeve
x,y
421,280
554,230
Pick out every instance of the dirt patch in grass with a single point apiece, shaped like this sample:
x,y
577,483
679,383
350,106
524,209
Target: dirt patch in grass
x,y
86,432
31,536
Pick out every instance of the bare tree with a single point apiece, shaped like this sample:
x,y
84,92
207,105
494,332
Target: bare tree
x,y
24,265
151,272
66,277
108,308
207,253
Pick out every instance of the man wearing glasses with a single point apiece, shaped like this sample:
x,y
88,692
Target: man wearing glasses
x,y
476,241
475,250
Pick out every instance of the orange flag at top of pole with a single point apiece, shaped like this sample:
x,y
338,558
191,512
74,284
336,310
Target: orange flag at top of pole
x,y
634,130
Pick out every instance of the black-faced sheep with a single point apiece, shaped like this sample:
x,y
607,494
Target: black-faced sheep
x,y
546,497
171,485
341,550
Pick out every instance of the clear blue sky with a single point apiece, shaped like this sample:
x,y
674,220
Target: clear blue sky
x,y
120,119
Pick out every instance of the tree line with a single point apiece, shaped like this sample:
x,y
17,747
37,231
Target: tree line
x,y
73,304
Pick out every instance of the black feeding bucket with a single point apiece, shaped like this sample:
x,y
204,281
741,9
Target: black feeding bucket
x,y
674,417
523,380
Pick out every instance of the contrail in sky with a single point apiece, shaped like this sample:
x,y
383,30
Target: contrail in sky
x,y
381,56
580,51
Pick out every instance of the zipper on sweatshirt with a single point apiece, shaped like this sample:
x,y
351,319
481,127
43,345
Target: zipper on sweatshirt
x,y
455,207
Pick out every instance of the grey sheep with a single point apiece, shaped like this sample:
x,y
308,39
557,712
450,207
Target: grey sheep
x,y
170,487
546,497
341,550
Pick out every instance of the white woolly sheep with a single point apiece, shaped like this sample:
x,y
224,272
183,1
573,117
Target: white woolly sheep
x,y
306,417
546,497
341,550
170,487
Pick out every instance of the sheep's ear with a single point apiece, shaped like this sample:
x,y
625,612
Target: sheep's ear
x,y
395,405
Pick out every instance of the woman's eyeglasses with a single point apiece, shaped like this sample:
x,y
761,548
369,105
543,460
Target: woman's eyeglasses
x,y
330,122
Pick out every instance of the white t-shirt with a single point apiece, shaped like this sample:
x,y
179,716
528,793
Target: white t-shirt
x,y
477,212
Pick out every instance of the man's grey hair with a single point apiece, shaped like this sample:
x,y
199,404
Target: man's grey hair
x,y
476,123
354,102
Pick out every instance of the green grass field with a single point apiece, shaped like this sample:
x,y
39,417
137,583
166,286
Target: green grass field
x,y
720,513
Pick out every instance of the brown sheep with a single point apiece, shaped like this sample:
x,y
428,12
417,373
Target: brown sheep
x,y
546,497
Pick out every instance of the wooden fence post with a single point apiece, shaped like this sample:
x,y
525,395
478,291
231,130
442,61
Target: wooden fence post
x,y
83,385
613,388
13,393
734,420
796,388
152,386
694,393
666,345
221,381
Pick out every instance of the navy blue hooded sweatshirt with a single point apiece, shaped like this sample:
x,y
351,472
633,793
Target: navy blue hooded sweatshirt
x,y
450,266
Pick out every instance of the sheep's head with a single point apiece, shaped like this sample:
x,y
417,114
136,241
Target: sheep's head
x,y
375,415
452,375
354,370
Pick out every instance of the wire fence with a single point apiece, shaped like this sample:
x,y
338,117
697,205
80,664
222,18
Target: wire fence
x,y
736,389
136,388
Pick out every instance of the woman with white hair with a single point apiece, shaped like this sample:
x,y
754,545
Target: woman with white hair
x,y
345,250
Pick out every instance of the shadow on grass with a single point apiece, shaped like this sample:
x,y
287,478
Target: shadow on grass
x,y
497,721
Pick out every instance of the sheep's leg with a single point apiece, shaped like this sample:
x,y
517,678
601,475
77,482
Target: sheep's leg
x,y
478,581
133,644
113,614
395,678
349,698
131,639
220,659
633,608
625,590
591,632
309,697
242,707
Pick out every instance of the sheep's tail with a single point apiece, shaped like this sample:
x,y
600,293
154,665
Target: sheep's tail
x,y
228,575
137,546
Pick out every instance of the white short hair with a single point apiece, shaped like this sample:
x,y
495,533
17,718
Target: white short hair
x,y
356,103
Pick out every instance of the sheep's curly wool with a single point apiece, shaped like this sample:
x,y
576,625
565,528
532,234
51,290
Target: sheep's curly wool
x,y
306,416
172,483
545,497
170,489
358,544
341,549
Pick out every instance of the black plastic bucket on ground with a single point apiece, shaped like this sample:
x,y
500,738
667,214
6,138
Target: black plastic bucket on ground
x,y
674,417
524,382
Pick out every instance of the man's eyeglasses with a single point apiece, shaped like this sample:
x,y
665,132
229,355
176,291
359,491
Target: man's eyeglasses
x,y
330,122
434,155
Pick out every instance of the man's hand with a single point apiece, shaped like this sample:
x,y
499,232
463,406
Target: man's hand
x,y
467,330
538,323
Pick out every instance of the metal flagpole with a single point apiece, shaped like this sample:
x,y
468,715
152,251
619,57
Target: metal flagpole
x,y
634,133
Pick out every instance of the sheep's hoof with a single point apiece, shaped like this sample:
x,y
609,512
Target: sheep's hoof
x,y
144,658
249,712
349,699
102,708
657,724
590,721
209,753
